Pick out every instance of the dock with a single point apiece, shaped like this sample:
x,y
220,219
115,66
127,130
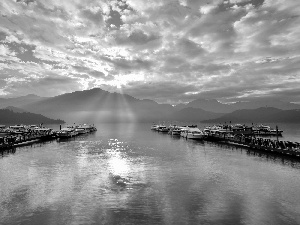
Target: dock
x,y
29,137
246,137
257,143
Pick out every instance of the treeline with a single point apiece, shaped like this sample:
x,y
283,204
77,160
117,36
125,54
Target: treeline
x,y
9,117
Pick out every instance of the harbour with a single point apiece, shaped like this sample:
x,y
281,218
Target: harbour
x,y
125,169
239,135
23,135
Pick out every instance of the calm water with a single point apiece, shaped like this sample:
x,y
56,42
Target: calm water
x,y
128,174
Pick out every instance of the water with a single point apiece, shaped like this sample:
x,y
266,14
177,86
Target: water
x,y
128,174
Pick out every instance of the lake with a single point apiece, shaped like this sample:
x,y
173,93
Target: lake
x,y
128,174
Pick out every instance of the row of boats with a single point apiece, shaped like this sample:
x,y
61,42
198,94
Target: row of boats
x,y
193,132
22,135
238,135
66,132
190,132
74,130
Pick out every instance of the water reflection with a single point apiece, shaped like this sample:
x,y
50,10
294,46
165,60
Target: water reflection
x,y
126,174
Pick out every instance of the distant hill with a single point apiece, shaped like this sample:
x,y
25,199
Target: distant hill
x,y
263,114
258,103
218,107
97,105
8,116
192,114
15,109
210,105
20,101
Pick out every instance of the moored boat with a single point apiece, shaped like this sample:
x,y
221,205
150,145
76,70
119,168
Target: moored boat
x,y
66,132
154,126
163,129
266,130
195,133
174,130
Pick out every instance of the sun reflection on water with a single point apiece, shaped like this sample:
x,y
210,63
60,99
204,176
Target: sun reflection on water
x,y
118,165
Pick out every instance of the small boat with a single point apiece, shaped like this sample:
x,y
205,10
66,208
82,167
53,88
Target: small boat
x,y
154,126
194,133
81,130
17,129
66,133
241,129
174,130
4,129
87,127
183,131
163,129
266,130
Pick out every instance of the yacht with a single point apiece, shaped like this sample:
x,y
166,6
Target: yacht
x,y
183,131
266,130
154,126
66,132
194,133
17,129
162,128
174,130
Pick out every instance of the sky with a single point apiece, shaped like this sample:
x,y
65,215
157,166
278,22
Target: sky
x,y
170,51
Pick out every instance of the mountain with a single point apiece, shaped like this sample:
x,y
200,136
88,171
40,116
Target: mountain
x,y
181,106
214,106
263,114
97,105
15,109
8,116
20,101
193,114
254,104
210,105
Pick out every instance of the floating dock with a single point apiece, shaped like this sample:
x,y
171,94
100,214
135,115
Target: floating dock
x,y
246,138
261,144
12,141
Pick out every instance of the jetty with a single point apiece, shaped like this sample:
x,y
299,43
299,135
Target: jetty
x,y
257,143
28,135
250,138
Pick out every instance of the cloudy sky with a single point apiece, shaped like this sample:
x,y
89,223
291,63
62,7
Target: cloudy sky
x,y
170,51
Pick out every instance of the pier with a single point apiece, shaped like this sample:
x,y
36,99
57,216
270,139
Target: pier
x,y
31,136
18,140
257,143
247,137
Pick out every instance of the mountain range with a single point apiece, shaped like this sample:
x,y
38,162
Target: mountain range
x,y
260,115
96,105
20,101
13,115
213,105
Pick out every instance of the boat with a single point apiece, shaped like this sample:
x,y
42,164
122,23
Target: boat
x,y
154,126
210,130
87,127
241,129
174,130
162,128
4,130
81,130
17,129
183,131
195,133
266,130
66,132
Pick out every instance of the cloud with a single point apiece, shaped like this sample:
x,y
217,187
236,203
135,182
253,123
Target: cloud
x,y
5,51
185,49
